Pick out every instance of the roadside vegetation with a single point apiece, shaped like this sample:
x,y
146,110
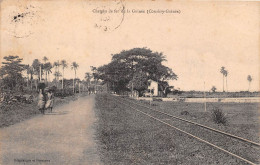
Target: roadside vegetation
x,y
20,84
16,112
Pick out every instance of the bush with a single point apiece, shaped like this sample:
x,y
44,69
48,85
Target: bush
x,y
185,113
157,99
63,93
218,116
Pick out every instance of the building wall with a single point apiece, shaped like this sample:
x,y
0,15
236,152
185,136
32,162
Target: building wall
x,y
154,86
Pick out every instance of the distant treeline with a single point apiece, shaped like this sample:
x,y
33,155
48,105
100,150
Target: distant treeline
x,y
200,94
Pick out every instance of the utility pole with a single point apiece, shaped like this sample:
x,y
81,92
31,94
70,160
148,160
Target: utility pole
x,y
132,88
40,72
79,86
205,100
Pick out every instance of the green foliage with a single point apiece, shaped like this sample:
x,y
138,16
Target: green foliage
x,y
125,65
213,89
11,72
218,116
36,67
139,81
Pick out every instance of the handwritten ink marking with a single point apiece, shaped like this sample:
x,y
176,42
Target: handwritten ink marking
x,y
108,16
22,21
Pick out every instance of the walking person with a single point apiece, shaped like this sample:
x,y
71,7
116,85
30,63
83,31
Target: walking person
x,y
50,100
41,101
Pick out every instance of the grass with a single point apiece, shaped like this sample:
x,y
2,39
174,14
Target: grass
x,y
16,112
127,137
242,119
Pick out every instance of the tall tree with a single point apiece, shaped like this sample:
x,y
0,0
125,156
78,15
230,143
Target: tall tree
x,y
36,70
45,59
57,65
36,67
223,71
124,65
139,82
47,68
88,78
64,65
57,75
27,67
94,73
249,79
74,66
11,72
29,70
226,74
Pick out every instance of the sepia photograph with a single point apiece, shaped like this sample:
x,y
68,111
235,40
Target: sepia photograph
x,y
101,82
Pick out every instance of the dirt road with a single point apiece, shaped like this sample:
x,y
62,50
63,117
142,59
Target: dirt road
x,y
65,136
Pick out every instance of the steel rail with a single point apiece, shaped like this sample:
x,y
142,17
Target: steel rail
x,y
209,128
213,145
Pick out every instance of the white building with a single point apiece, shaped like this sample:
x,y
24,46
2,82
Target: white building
x,y
153,87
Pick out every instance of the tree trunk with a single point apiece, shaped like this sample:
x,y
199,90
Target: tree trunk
x,y
79,87
27,80
73,86
36,85
226,85
74,82
31,84
62,77
58,77
49,76
40,73
223,84
46,77
31,81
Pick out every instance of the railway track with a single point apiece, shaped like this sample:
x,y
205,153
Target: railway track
x,y
221,140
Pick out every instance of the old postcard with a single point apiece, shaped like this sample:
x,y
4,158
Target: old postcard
x,y
129,82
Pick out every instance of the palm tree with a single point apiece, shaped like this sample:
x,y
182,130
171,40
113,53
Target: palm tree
x,y
74,66
36,70
222,71
249,79
29,72
64,65
31,75
57,65
45,59
48,68
57,75
226,74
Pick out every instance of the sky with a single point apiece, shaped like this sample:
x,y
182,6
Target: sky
x,y
197,40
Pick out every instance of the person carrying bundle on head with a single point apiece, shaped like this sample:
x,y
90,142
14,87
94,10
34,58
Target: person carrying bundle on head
x,y
41,101
41,97
49,99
